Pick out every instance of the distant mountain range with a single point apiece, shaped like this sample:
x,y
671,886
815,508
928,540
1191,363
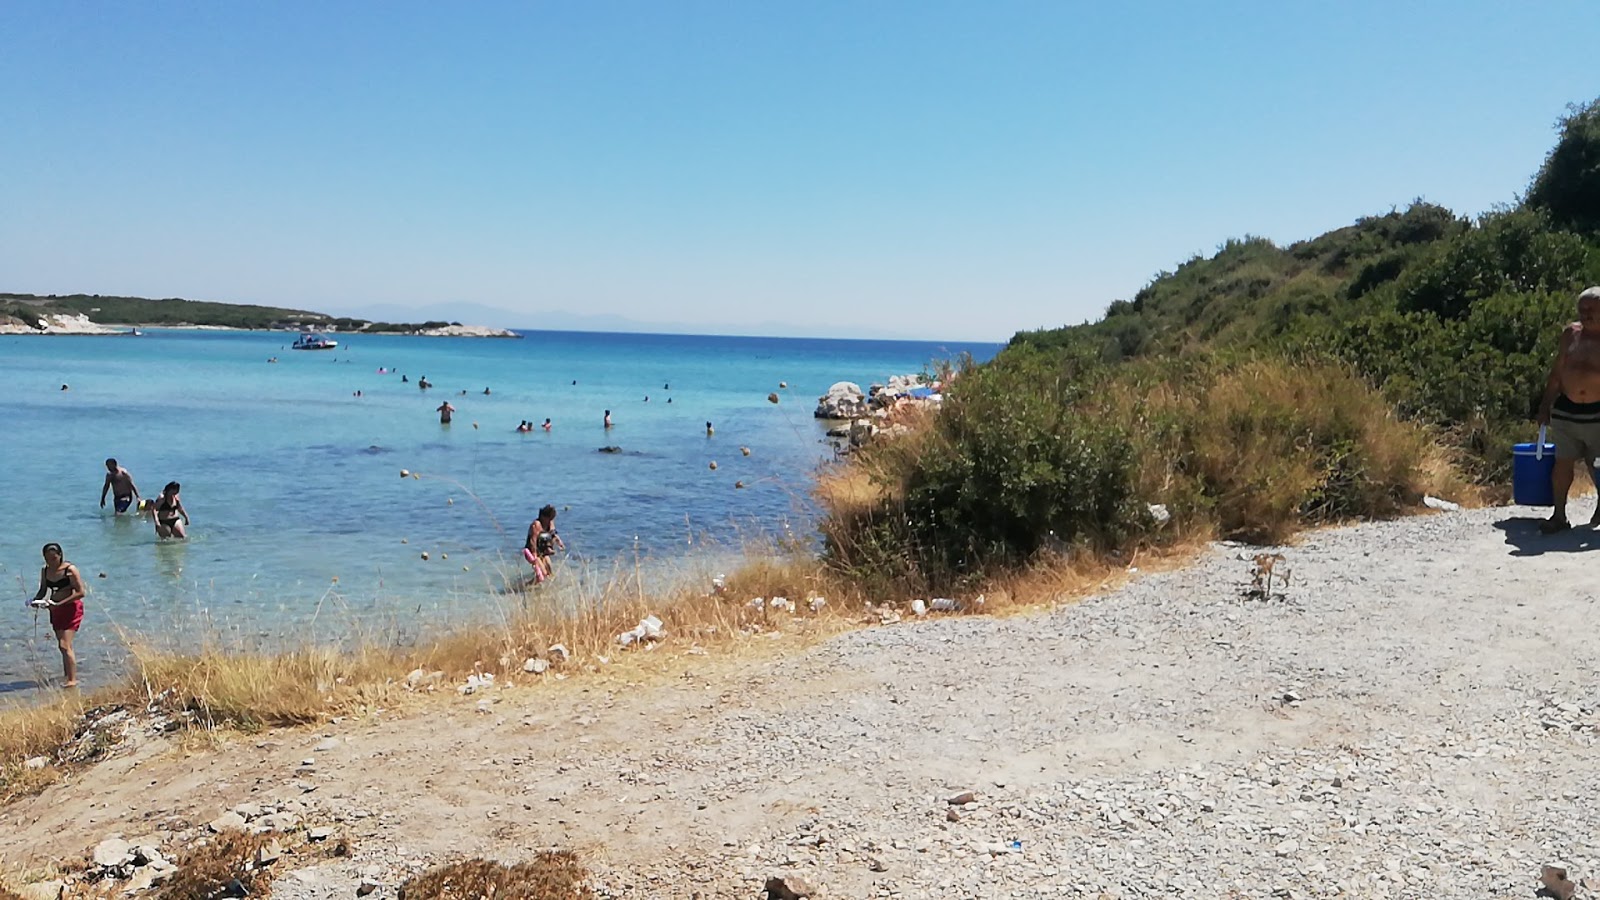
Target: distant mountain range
x,y
481,314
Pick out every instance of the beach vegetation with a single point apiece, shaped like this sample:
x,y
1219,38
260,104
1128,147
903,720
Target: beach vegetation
x,y
549,875
1055,453
1452,320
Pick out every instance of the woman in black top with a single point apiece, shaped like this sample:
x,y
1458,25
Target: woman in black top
x,y
60,579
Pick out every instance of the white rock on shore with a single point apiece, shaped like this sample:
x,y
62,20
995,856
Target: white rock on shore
x,y
468,331
59,323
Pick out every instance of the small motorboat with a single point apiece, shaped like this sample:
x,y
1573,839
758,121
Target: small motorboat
x,y
310,340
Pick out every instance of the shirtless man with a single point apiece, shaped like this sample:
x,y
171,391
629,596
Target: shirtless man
x,y
445,410
120,484
1571,404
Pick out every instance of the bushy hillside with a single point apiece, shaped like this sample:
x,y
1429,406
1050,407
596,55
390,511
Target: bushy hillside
x,y
1250,393
1453,320
174,311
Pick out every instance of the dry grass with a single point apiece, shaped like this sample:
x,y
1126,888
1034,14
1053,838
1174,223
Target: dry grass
x,y
1263,449
219,868
550,875
251,691
28,732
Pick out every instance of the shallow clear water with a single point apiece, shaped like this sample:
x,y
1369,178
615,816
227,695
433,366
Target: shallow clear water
x,y
293,482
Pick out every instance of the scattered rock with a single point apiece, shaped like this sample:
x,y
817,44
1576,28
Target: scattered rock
x,y
331,743
268,853
877,865
844,400
250,811
366,887
38,762
141,880
962,799
320,833
228,821
113,852
789,887
1556,884
535,665
648,629
558,653
43,890
282,822
950,815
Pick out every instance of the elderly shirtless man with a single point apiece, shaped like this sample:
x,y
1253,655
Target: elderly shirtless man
x,y
1571,405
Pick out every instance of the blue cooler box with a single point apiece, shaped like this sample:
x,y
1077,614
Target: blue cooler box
x,y
1530,474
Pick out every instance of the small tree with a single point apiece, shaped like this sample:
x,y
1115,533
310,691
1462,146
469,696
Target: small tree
x,y
1568,184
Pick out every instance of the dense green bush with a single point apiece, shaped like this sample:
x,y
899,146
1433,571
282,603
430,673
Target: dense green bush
x,y
1567,186
1509,251
1048,449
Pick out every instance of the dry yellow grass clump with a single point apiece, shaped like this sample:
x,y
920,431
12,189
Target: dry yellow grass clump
x,y
550,875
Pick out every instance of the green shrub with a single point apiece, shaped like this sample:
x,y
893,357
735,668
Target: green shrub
x,y
1518,251
1567,186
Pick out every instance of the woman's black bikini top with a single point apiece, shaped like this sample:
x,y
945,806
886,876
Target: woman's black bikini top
x,y
63,584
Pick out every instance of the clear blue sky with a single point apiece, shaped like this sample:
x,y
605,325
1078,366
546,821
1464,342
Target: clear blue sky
x,y
945,170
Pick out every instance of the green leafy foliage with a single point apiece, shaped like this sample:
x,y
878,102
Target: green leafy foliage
x,y
1510,251
1567,186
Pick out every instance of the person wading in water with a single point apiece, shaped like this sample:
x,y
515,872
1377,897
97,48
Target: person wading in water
x,y
60,579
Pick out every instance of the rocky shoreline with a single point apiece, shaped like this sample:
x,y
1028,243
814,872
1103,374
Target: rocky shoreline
x,y
78,324
862,416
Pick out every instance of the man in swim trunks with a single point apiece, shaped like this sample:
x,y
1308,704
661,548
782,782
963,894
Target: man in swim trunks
x,y
121,486
1571,404
445,411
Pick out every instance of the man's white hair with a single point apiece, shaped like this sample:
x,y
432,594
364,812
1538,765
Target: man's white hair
x,y
1590,294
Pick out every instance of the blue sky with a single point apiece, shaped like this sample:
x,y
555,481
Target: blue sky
x,y
940,170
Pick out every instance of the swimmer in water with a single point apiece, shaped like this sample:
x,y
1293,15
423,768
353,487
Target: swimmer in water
x,y
709,430
546,425
445,411
608,418
120,483
168,510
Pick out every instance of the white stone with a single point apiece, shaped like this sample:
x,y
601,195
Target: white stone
x,y
113,852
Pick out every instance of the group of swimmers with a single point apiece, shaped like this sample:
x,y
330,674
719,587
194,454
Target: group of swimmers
x,y
61,587
167,512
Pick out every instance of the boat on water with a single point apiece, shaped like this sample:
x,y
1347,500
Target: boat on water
x,y
310,340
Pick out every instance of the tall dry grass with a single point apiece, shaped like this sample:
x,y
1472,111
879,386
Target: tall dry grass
x,y
1045,456
1262,449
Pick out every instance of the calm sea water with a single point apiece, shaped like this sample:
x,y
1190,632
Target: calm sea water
x,y
300,513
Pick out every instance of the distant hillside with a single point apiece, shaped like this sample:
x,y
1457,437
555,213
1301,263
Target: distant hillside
x,y
176,311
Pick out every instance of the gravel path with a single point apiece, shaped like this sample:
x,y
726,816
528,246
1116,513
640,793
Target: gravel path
x,y
1415,717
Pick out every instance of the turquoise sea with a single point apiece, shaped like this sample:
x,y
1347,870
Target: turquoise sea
x,y
302,525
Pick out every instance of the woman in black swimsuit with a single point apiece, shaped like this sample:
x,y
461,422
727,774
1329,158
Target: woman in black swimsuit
x,y
61,580
169,510
543,541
